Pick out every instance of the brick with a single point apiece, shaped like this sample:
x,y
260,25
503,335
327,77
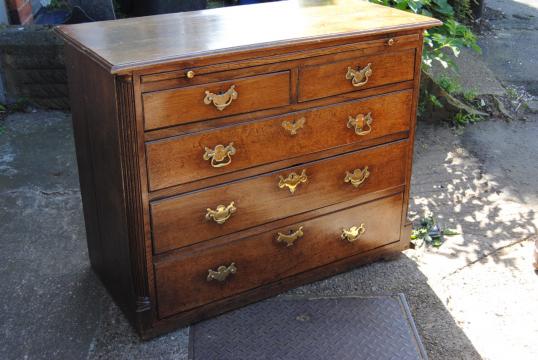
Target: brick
x,y
25,14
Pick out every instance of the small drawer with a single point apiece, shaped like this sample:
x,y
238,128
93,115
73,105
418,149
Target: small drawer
x,y
195,278
221,210
189,104
328,79
185,159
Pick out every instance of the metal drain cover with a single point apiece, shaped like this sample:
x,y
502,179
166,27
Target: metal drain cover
x,y
340,328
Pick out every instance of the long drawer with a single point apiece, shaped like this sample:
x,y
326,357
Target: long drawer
x,y
222,210
207,101
356,73
181,159
199,277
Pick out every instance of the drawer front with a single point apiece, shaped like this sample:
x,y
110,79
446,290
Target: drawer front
x,y
184,220
319,81
182,283
213,100
181,160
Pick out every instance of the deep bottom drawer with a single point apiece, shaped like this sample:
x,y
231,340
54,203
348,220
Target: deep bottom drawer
x,y
196,278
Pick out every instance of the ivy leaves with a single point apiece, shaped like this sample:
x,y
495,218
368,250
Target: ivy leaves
x,y
451,35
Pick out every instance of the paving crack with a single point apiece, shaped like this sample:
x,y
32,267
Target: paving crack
x,y
485,255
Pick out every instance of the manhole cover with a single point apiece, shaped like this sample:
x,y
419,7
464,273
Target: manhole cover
x,y
311,328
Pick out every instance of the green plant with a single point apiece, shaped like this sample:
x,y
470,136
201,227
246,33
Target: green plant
x,y
451,35
20,105
512,93
470,95
429,233
462,118
448,84
462,9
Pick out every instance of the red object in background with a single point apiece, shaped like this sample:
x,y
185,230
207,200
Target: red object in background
x,y
20,11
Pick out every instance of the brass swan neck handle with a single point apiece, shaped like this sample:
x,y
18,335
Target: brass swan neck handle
x,y
359,77
353,233
361,123
221,101
221,213
221,155
357,177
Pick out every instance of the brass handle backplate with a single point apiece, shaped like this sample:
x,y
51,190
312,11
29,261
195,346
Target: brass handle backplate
x,y
359,77
290,238
221,101
357,177
222,272
221,213
221,155
292,181
293,126
353,233
361,123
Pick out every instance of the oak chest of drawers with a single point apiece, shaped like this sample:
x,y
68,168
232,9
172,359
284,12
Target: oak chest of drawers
x,y
227,155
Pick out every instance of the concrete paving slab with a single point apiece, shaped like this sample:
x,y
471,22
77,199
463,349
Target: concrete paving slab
x,y
511,52
493,301
472,73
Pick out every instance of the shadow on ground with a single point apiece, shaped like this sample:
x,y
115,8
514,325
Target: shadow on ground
x,y
53,306
482,183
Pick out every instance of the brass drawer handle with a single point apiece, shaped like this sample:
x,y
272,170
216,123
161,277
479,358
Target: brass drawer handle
x,y
293,126
362,123
221,101
359,77
292,181
221,214
221,155
290,238
353,233
357,177
222,272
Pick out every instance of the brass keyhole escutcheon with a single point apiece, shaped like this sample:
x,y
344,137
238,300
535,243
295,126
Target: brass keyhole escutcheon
x,y
221,273
294,126
292,181
290,238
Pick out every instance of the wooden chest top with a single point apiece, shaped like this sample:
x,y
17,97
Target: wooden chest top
x,y
137,43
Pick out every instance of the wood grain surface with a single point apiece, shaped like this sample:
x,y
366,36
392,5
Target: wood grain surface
x,y
178,106
126,44
180,221
323,80
181,282
179,160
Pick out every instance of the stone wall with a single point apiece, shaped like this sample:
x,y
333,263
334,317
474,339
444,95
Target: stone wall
x,y
32,66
